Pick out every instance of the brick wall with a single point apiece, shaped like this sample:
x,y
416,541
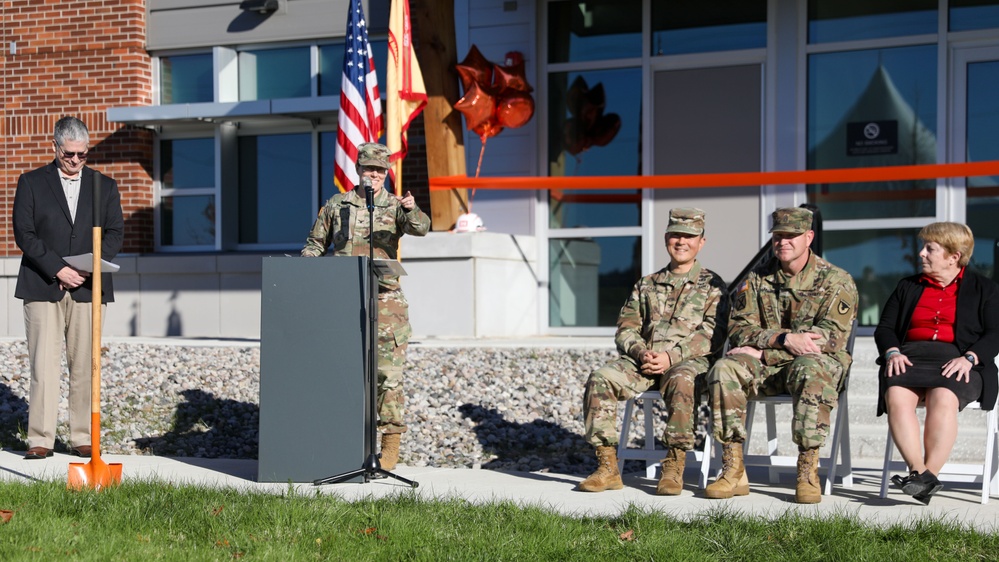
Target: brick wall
x,y
76,58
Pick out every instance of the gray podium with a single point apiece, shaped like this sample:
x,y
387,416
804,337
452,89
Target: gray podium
x,y
313,419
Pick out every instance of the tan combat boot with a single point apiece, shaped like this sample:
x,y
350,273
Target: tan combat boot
x,y
732,481
808,490
607,476
390,450
671,481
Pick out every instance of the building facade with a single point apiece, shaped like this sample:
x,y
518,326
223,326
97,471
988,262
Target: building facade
x,y
219,120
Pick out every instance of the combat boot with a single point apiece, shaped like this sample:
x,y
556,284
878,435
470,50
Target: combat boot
x,y
390,450
671,481
808,490
607,476
732,481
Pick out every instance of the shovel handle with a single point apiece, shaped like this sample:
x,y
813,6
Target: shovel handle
x,y
96,296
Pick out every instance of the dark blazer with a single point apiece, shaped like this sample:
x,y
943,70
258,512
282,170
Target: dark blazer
x,y
45,232
976,327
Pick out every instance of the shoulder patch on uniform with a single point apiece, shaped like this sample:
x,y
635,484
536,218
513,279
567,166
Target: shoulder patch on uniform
x,y
843,307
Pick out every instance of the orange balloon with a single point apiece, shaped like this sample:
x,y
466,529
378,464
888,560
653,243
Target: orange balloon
x,y
475,69
514,109
488,128
476,105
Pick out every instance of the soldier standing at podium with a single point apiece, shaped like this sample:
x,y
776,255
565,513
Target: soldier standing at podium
x,y
343,229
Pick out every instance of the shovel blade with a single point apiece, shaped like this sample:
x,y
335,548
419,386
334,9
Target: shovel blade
x,y
95,474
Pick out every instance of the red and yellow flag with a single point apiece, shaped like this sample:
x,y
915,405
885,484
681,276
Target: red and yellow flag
x,y
406,95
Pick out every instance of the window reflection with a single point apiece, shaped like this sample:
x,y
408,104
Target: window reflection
x,y
275,73
187,163
965,15
594,30
982,145
275,179
186,79
876,260
685,26
852,20
591,278
873,108
187,221
595,120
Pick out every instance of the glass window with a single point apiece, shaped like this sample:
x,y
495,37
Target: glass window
x,y
851,20
973,14
331,66
327,150
873,108
685,26
187,221
187,163
982,122
186,79
591,278
594,30
275,73
275,188
876,260
595,119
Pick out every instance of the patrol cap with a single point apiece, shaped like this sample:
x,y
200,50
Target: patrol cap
x,y
686,220
791,220
373,154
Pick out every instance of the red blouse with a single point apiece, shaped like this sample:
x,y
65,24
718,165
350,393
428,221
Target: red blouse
x,y
933,318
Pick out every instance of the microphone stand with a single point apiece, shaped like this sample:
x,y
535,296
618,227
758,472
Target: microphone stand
x,y
371,468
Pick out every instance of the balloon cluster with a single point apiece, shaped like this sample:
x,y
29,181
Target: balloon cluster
x,y
588,125
496,96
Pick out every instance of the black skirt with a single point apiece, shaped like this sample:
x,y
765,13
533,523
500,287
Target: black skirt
x,y
928,359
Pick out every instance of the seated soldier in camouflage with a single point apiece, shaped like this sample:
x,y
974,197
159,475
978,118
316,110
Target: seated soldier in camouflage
x,y
790,323
667,332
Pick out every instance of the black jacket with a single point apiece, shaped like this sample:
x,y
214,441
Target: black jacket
x,y
976,327
45,232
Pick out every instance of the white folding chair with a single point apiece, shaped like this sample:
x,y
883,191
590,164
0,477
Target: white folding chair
x,y
649,453
838,463
986,473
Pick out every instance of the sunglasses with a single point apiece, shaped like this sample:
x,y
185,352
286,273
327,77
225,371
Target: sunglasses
x,y
70,155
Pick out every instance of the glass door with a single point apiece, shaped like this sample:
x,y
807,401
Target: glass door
x,y
976,120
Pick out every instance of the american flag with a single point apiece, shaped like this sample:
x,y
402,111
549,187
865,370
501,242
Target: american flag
x,y
360,118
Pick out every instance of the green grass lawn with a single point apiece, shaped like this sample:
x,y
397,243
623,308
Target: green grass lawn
x,y
148,521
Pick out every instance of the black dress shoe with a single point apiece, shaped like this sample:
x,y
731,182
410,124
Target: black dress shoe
x,y
909,483
929,485
35,453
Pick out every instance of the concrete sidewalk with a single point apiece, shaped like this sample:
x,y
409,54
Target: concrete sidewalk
x,y
555,492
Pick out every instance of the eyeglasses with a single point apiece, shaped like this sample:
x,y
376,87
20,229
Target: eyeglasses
x,y
70,155
376,169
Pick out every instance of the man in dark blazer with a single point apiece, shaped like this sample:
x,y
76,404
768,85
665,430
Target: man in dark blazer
x,y
53,219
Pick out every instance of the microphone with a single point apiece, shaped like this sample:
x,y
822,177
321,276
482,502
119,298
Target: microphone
x,y
369,192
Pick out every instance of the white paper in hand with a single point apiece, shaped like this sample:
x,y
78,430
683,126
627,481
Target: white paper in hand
x,y
85,262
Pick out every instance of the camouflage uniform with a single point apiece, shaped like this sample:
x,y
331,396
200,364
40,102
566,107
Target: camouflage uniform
x,y
822,299
342,229
682,315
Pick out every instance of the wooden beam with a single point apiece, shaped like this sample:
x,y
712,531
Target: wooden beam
x,y
434,41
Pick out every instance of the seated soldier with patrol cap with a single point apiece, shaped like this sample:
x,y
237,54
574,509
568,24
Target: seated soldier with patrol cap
x,y
790,323
669,328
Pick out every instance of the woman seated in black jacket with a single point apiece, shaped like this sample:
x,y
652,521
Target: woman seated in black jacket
x,y
937,338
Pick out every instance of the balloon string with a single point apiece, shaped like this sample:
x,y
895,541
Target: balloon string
x,y
478,168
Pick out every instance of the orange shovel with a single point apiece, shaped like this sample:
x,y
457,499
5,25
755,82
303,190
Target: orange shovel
x,y
95,474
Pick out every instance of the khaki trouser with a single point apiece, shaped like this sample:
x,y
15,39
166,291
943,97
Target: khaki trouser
x,y
45,325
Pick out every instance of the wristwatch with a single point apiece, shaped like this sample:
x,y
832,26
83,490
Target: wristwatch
x,y
780,339
970,357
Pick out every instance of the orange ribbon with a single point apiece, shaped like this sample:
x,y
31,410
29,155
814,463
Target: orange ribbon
x,y
679,181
